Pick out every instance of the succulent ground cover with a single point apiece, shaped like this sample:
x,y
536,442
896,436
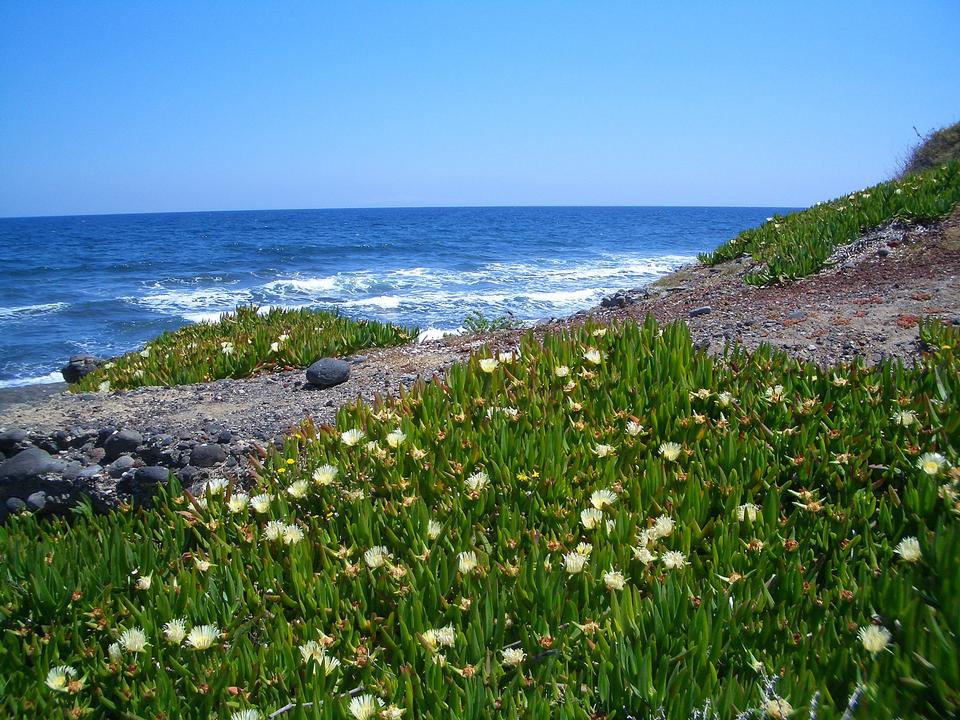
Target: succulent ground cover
x,y
604,523
241,343
796,245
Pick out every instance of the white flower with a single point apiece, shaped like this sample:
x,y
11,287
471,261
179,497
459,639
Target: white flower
x,y
274,347
662,527
774,394
574,562
175,631
478,481
602,498
145,352
507,357
674,560
377,556
488,365
908,549
325,475
58,679
261,503
601,450
747,511
513,657
644,555
467,562
392,712
904,418
216,486
248,714
134,640
433,529
633,428
329,664
351,437
115,653
591,518
238,502
144,582
395,439
312,650
593,356
931,463
874,638
292,534
778,708
104,386
298,489
614,580
561,371
724,398
202,637
364,707
202,564
446,636
274,529
584,548
227,348
670,450
599,332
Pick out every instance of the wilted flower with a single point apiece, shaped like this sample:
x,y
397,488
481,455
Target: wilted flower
x,y
931,463
747,511
392,712
674,560
202,637
591,518
904,418
351,437
134,640
602,498
477,482
202,564
574,562
778,708
633,428
670,450
58,679
376,557
467,562
513,656
298,489
593,356
874,638
774,394
601,450
614,580
488,365
325,475
364,707
261,503
908,549
175,631
395,439
238,502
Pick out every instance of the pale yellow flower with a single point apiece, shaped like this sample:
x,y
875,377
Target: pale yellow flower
x,y
134,640
202,637
561,371
670,450
477,482
351,437
467,562
364,707
908,549
931,463
298,489
58,679
377,557
593,356
325,475
238,502
633,428
602,498
488,365
574,562
674,560
175,631
601,450
747,511
395,439
874,638
513,657
591,518
614,580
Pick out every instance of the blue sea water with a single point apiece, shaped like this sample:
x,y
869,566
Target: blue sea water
x,y
106,284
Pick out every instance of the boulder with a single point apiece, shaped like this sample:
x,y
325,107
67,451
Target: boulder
x,y
327,372
119,466
204,456
23,473
80,366
120,442
703,310
13,441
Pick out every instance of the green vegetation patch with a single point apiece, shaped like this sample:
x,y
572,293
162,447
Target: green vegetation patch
x,y
937,148
609,524
798,244
240,344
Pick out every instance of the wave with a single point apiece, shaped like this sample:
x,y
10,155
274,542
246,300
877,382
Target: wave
x,y
49,378
204,302
13,313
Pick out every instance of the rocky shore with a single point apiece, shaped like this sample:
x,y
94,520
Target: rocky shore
x,y
117,447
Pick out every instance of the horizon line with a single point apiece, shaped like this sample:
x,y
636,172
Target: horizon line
x,y
389,207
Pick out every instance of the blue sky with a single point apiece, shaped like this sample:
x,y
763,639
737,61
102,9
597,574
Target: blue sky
x,y
138,107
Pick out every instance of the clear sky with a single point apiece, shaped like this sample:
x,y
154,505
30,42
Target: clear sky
x,y
134,106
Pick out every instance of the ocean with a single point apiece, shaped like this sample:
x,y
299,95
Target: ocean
x,y
106,284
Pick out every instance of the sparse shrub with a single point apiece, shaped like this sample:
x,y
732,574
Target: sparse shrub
x,y
935,149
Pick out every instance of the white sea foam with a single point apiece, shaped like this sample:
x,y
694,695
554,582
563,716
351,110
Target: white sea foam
x,y
198,302
12,313
53,377
431,334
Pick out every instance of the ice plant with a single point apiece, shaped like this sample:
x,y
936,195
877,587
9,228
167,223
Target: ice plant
x,y
593,356
261,503
601,450
488,365
58,678
513,657
574,562
614,580
747,511
561,371
467,562
633,428
395,439
364,707
174,631
591,518
931,463
875,638
238,502
133,640
670,450
662,527
602,498
351,437
325,475
377,557
433,529
477,482
248,714
674,560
